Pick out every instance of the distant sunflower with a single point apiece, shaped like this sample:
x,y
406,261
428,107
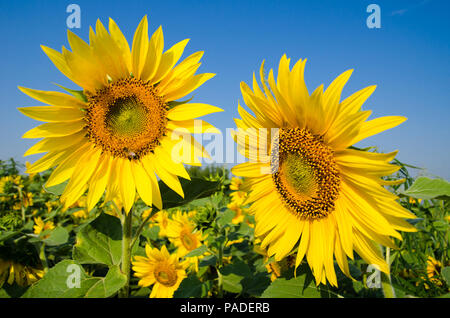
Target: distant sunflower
x,y
182,233
161,219
159,269
23,275
310,191
117,133
41,226
434,270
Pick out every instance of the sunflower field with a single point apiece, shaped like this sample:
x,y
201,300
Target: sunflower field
x,y
121,203
208,237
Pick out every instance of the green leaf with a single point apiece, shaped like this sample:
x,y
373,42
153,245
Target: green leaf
x,y
151,233
194,189
441,225
225,218
99,242
198,251
445,272
255,285
292,288
426,188
107,286
8,234
192,287
232,276
56,189
58,236
60,282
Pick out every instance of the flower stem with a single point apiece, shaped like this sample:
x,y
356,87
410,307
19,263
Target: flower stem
x,y
126,252
386,283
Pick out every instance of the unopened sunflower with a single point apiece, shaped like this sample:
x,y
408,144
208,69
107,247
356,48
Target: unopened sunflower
x,y
116,134
311,192
160,269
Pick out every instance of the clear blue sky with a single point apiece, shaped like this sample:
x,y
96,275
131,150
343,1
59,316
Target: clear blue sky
x,y
408,57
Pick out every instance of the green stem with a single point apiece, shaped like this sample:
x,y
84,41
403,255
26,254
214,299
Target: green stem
x,y
386,283
41,250
126,252
21,204
139,230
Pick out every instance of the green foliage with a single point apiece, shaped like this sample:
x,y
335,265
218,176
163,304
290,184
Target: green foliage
x,y
99,242
426,188
58,283
229,261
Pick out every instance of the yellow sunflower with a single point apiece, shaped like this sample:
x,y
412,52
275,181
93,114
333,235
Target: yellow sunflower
x,y
311,192
41,226
182,233
161,219
23,275
434,270
159,269
125,126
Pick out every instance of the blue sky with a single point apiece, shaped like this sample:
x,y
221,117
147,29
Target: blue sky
x,y
407,58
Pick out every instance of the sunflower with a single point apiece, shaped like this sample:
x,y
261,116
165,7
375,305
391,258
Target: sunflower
x,y
311,191
23,275
182,233
159,269
124,127
41,226
162,220
434,270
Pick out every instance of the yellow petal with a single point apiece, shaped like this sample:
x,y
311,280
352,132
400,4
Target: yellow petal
x,y
53,98
65,169
121,43
126,184
140,47
377,125
143,182
55,143
168,60
189,85
156,194
58,129
194,126
51,159
154,54
52,113
81,175
58,59
191,110
98,182
168,178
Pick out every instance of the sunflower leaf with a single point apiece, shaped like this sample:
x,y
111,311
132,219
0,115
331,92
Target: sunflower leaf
x,y
193,189
99,242
291,288
445,272
57,236
67,279
426,188
192,287
197,252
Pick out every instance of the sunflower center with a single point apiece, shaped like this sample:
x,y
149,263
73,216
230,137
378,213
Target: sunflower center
x,y
305,173
127,118
189,241
165,274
